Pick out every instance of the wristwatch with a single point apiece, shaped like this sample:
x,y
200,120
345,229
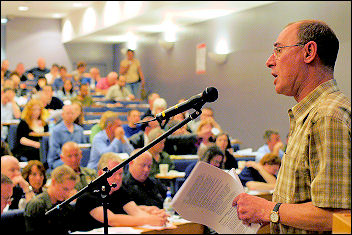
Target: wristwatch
x,y
274,215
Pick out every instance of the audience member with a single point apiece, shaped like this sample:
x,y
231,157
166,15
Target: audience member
x,y
99,126
36,72
80,71
83,96
40,83
32,122
105,83
212,155
19,87
140,139
6,191
63,180
145,190
64,131
53,74
53,102
131,68
131,128
35,174
5,68
207,112
71,156
119,91
78,113
111,139
59,82
273,144
122,210
20,70
67,92
95,77
261,175
22,189
223,142
159,156
151,98
159,105
205,134
314,180
9,109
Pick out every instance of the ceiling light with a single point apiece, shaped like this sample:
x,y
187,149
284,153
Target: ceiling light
x,y
4,20
57,15
77,4
23,8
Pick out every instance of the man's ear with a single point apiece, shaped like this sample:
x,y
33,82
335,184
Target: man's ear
x,y
310,51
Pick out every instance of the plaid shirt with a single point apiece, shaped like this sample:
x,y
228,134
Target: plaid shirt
x,y
317,164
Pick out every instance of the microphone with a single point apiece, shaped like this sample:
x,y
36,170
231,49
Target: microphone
x,y
210,94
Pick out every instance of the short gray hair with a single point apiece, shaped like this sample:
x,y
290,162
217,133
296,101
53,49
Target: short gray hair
x,y
106,157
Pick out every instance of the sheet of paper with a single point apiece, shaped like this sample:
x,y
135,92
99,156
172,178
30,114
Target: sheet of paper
x,y
206,198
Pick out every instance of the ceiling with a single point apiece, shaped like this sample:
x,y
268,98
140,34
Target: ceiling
x,y
183,13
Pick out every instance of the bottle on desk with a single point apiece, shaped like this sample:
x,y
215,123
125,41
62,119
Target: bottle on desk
x,y
167,204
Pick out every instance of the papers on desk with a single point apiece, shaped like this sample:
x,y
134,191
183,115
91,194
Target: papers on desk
x,y
173,173
246,152
206,198
112,230
173,157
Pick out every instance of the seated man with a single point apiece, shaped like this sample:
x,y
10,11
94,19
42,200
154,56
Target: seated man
x,y
133,116
261,175
119,91
273,144
145,190
140,139
9,109
158,153
110,139
104,84
71,156
83,96
60,189
64,131
11,168
52,102
6,191
122,210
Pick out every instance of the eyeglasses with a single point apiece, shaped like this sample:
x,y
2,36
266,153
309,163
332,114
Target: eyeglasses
x,y
278,50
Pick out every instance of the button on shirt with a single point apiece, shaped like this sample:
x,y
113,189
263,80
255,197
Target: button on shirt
x,y
59,136
317,164
101,144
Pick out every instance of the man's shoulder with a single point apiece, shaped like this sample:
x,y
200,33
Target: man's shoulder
x,y
88,171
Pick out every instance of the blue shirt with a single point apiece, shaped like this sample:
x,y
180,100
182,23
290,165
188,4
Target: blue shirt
x,y
58,84
37,72
101,144
264,150
129,131
58,137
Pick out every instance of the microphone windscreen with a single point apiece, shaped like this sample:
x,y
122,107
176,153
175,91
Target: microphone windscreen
x,y
210,94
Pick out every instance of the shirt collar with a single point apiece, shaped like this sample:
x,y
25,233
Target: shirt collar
x,y
300,110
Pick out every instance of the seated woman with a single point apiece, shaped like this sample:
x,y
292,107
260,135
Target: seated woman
x,y
212,155
67,92
261,175
32,122
34,174
223,142
206,132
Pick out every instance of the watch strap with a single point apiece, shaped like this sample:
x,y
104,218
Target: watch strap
x,y
277,206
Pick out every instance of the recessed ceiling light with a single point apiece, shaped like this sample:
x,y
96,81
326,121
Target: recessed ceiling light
x,y
23,8
4,20
57,15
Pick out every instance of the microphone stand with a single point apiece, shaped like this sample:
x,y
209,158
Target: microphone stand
x,y
101,184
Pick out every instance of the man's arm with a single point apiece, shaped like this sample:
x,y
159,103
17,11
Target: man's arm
x,y
252,209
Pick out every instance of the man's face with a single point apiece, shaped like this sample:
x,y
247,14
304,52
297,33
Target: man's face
x,y
134,117
6,193
122,81
41,63
206,113
62,191
116,178
274,139
287,63
84,90
72,157
141,166
68,114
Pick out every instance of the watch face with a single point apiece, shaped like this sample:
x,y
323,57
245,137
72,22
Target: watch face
x,y
274,217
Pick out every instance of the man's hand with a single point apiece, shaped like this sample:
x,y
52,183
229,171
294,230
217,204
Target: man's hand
x,y
120,134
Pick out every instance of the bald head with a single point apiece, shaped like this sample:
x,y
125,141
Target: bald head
x,y
41,63
10,166
112,78
140,167
71,155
